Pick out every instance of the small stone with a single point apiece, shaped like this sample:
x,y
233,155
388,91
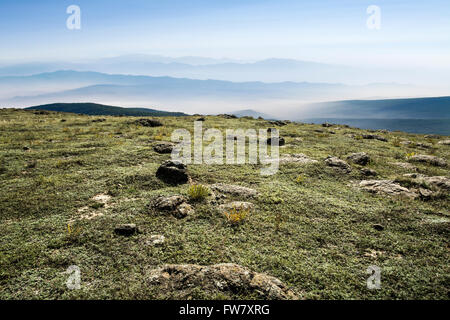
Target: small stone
x,y
25,148
237,205
156,240
361,158
234,190
126,229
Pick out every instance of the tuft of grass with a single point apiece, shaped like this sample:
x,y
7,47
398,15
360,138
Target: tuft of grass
x,y
198,192
236,216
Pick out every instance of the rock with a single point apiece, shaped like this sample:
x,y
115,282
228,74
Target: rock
x,y
236,205
374,136
183,210
338,163
439,182
173,172
378,227
386,187
234,190
444,142
148,122
228,278
423,145
425,194
361,158
99,120
278,123
432,136
433,160
155,240
326,125
368,172
163,147
175,205
126,229
280,141
404,165
228,116
297,158
169,203
200,119
26,148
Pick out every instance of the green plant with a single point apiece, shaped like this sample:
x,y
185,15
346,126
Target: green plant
x,y
198,192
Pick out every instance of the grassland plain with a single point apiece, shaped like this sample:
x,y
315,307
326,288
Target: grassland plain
x,y
315,233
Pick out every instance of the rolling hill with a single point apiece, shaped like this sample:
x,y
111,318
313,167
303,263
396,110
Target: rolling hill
x,y
104,110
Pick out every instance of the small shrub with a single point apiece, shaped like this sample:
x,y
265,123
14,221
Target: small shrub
x,y
396,142
198,192
73,233
410,155
236,216
300,179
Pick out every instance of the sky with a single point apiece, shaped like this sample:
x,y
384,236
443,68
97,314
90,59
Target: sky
x,y
412,33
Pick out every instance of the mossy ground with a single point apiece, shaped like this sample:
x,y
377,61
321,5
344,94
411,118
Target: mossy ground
x,y
315,234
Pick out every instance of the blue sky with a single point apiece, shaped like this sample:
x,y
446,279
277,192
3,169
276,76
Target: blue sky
x,y
413,33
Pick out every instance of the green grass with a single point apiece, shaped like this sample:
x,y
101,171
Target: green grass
x,y
316,236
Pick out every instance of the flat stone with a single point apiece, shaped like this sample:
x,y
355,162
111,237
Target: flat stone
x,y
236,205
234,190
155,240
444,142
386,187
368,172
374,137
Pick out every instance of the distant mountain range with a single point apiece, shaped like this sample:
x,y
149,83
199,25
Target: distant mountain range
x,y
268,70
104,110
413,108
177,93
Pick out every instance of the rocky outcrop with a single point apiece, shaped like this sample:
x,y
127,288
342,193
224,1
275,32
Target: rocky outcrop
x,y
179,281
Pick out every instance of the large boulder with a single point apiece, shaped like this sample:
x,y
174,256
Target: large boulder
x,y
361,158
433,160
173,172
386,187
338,163
180,281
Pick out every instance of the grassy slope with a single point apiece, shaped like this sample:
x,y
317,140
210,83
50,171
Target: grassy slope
x,y
320,247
